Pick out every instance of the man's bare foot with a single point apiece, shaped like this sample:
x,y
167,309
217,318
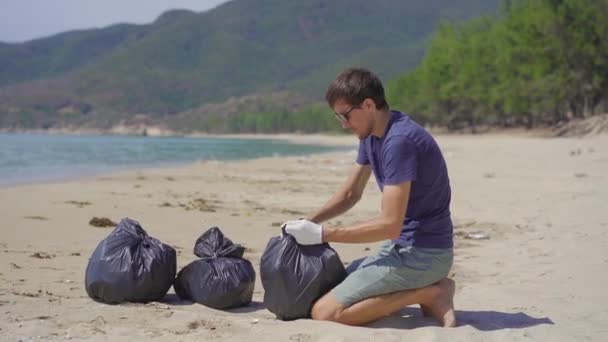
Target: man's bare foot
x,y
442,307
426,311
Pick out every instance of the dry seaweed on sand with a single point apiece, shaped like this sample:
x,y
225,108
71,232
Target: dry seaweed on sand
x,y
102,222
79,204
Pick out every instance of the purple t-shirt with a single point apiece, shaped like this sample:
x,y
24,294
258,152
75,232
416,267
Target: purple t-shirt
x,y
407,152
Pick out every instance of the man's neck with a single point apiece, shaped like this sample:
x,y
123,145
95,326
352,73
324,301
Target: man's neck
x,y
381,123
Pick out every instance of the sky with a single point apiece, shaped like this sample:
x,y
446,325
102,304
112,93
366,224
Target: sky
x,y
22,20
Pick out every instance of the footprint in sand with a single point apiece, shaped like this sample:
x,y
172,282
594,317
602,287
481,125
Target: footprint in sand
x,y
36,217
300,337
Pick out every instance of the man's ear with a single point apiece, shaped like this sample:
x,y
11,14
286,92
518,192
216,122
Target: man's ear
x,y
369,103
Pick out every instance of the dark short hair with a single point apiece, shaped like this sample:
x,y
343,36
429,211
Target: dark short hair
x,y
354,85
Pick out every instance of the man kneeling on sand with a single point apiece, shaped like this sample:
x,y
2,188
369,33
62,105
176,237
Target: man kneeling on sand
x,y
412,266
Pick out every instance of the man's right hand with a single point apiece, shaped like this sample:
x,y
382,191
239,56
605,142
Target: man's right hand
x,y
304,231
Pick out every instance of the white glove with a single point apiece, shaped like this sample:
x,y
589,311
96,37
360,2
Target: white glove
x,y
305,232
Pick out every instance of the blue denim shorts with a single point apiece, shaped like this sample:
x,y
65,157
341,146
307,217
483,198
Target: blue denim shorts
x,y
394,268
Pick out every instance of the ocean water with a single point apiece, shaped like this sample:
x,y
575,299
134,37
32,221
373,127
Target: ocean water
x,y
32,158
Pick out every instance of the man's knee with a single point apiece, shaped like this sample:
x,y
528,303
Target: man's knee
x,y
327,308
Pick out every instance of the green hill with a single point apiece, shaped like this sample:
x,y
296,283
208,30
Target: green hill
x,y
186,60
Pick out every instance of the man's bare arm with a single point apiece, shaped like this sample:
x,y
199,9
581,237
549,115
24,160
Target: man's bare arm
x,y
348,195
387,226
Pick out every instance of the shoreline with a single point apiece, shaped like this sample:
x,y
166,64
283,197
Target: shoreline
x,y
296,138
313,140
592,125
330,140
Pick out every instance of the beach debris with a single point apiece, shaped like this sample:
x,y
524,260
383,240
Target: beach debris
x,y
275,224
27,294
575,152
165,205
465,224
292,212
459,233
36,217
202,204
79,204
489,175
42,255
366,249
75,254
15,266
171,179
255,321
477,236
581,175
158,305
102,222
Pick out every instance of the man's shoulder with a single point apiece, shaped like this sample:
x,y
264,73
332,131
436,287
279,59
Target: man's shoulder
x,y
405,128
403,124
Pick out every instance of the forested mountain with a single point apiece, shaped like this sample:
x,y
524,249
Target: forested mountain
x,y
216,70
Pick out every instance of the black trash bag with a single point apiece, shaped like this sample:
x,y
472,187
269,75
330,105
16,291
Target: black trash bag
x,y
221,279
294,277
130,266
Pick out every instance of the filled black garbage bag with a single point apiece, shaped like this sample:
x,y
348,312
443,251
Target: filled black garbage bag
x,y
294,277
130,266
221,279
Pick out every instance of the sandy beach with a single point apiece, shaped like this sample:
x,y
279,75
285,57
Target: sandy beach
x,y
530,222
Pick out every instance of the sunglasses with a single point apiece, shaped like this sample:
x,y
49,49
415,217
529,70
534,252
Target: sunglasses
x,y
343,117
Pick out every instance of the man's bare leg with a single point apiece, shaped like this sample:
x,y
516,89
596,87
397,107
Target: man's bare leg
x,y
438,298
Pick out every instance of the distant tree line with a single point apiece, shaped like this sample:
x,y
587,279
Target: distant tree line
x,y
536,62
316,118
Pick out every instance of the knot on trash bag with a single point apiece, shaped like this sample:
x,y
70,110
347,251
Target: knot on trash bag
x,y
210,257
213,244
132,229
